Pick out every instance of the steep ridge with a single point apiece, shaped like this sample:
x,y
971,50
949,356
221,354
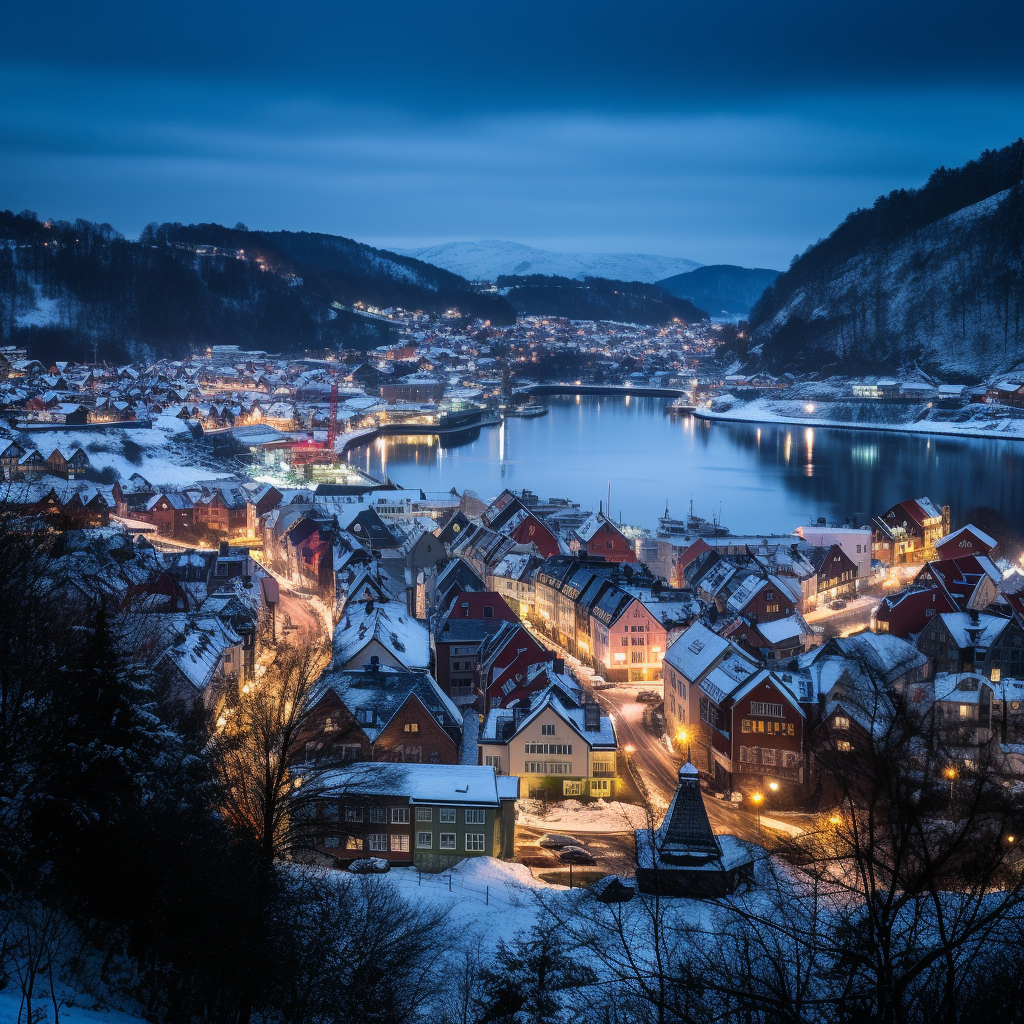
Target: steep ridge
x,y
597,298
69,289
721,288
931,276
489,260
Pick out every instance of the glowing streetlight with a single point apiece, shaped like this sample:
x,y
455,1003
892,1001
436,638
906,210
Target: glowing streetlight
x,y
809,407
683,737
950,774
773,786
835,820
758,799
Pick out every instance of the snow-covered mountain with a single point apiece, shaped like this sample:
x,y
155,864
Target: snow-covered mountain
x,y
485,261
931,276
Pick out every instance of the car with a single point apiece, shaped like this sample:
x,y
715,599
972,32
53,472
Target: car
x,y
369,866
649,697
555,841
600,683
576,855
838,604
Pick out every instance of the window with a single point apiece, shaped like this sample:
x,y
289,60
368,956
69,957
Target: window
x,y
332,842
351,752
603,765
600,787
424,840
508,688
353,814
474,816
572,788
965,710
548,768
767,755
845,746
768,710
399,815
447,815
378,815
548,748
488,611
745,725
378,842
995,675
547,730
625,641
638,657
354,843
411,727
474,842
399,844
330,725
424,813
447,841
330,811
493,761
840,722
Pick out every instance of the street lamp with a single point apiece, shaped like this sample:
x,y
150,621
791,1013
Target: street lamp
x,y
683,737
758,798
950,774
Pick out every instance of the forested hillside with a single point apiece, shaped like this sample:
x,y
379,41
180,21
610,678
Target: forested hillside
x,y
67,289
721,288
931,276
596,298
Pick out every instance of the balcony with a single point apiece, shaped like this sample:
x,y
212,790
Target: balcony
x,y
789,774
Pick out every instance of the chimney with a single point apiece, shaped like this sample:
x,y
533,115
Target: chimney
x,y
223,549
247,581
374,665
592,717
559,665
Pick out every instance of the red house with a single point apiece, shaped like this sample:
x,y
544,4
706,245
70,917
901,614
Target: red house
x,y
599,536
509,516
968,540
469,604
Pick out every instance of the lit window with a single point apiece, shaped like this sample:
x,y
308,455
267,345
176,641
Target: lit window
x,y
844,745
399,844
411,727
840,722
965,710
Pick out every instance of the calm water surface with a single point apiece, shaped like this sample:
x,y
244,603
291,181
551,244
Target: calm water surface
x,y
768,478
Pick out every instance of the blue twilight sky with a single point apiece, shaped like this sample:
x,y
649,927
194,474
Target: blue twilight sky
x,y
722,131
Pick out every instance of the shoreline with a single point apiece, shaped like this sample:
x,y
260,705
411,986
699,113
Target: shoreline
x,y
954,432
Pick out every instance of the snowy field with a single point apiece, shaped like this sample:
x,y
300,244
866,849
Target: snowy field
x,y
574,817
167,456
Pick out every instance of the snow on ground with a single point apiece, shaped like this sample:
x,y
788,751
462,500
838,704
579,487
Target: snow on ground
x,y
574,817
10,1005
46,312
764,410
168,453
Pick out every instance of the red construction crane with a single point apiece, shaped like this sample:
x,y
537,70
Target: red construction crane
x,y
332,423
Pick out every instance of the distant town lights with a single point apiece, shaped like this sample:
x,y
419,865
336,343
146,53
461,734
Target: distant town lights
x,y
809,407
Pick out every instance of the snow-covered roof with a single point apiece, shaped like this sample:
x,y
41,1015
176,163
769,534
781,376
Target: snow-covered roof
x,y
467,785
971,630
969,528
779,630
391,625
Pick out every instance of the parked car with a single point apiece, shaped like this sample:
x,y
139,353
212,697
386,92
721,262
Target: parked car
x,y
369,866
600,683
554,841
838,604
576,855
649,697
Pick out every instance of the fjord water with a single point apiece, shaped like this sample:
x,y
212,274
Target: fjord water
x,y
754,478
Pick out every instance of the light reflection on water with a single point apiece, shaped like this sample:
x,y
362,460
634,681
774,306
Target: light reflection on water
x,y
754,476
